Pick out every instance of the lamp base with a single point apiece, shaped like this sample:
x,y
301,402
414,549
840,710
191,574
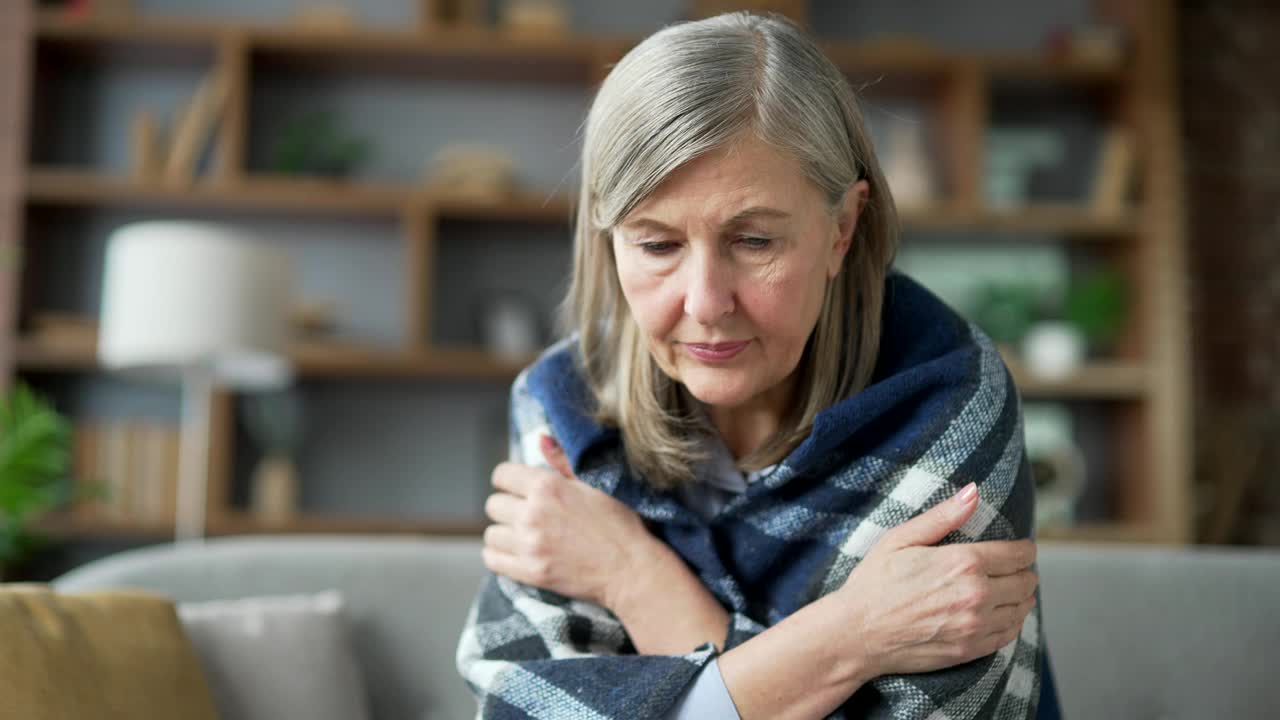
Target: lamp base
x,y
193,464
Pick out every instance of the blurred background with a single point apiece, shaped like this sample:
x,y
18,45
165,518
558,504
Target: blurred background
x,y
1095,183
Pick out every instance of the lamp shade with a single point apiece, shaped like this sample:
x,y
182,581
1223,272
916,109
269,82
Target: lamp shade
x,y
179,295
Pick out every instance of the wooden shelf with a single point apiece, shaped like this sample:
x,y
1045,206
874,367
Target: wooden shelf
x,y
310,196
355,361
470,54
46,186
320,360
1148,398
59,187
34,355
57,26
1096,381
570,57
68,526
71,525
455,53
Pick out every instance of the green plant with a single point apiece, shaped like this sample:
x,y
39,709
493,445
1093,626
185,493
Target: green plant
x,y
312,144
1005,311
1096,305
35,457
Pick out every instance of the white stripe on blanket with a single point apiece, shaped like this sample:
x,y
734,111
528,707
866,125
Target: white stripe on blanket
x,y
915,485
966,704
542,700
551,622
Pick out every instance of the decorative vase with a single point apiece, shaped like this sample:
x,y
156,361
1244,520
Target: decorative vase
x,y
907,170
1058,464
275,488
1059,475
1053,350
511,327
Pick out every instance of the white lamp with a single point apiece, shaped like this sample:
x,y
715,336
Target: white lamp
x,y
196,303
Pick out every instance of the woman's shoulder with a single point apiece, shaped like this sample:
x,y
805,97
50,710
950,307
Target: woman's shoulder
x,y
927,345
941,411
935,372
919,328
553,393
555,375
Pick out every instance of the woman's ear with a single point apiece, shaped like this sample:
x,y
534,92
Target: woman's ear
x,y
855,198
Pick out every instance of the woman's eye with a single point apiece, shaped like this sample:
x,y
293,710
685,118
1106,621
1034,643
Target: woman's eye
x,y
657,248
755,243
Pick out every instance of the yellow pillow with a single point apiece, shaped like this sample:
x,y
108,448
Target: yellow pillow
x,y
101,655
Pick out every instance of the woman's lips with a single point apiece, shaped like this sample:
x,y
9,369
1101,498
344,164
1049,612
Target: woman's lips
x,y
717,352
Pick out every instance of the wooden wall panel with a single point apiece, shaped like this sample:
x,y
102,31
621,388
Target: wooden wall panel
x,y
15,73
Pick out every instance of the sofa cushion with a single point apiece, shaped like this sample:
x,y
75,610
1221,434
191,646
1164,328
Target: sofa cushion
x,y
102,655
278,657
406,599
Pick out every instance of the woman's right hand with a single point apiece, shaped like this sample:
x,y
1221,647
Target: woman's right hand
x,y
919,608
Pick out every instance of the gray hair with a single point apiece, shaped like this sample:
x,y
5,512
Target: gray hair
x,y
682,92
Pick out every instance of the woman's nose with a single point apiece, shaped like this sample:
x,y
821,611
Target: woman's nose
x,y
709,294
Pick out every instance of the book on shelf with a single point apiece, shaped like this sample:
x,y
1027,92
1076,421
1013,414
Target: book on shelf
x,y
1113,176
149,149
195,126
65,332
127,470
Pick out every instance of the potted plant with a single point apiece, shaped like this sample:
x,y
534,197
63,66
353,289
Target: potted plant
x,y
1006,311
1096,306
314,144
35,456
1085,322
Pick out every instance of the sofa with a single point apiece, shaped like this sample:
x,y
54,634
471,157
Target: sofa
x,y
1133,632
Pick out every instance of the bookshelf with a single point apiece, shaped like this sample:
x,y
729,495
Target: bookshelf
x,y
1143,391
70,188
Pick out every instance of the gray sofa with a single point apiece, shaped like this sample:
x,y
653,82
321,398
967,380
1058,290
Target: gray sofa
x,y
1133,632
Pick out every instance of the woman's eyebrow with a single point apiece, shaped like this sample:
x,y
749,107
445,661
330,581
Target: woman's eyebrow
x,y
647,223
751,213
759,211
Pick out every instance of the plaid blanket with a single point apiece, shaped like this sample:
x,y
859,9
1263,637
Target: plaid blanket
x,y
940,412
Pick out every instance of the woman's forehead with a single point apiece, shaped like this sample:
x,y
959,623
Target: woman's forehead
x,y
746,182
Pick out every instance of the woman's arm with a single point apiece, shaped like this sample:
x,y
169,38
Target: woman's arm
x,y
557,533
664,607
818,656
804,667
908,608
526,652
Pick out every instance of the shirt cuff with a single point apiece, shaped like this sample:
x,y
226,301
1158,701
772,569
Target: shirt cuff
x,y
706,698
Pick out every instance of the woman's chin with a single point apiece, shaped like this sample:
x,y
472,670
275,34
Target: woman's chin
x,y
718,388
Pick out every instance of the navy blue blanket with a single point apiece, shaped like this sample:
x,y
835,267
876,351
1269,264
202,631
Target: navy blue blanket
x,y
941,411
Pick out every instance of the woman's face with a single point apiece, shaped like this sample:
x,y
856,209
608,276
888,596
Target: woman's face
x,y
724,267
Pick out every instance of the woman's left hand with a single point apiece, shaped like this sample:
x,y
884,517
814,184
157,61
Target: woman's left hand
x,y
558,533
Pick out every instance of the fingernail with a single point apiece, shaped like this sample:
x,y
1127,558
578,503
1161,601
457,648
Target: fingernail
x,y
967,493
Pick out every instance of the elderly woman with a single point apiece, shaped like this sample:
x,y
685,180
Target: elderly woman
x,y
766,476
